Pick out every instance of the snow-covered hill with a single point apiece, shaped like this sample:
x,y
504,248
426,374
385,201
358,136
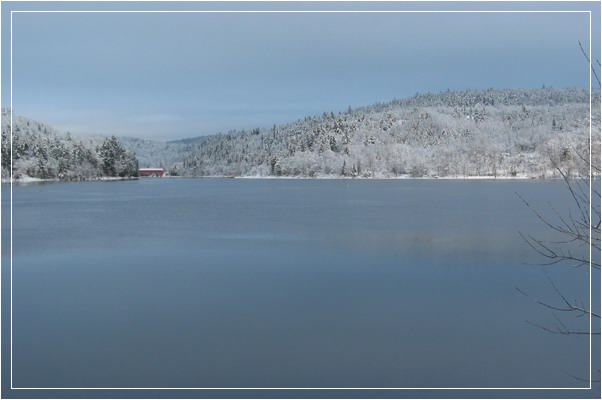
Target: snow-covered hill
x,y
496,133
39,151
451,134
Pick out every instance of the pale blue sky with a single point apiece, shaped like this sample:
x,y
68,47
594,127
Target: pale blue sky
x,y
173,75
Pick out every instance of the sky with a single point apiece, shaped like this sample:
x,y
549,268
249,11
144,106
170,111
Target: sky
x,y
167,76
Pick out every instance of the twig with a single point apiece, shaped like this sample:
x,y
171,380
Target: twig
x,y
587,58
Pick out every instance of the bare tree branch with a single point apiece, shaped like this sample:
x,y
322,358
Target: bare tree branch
x,y
587,58
579,240
568,307
581,379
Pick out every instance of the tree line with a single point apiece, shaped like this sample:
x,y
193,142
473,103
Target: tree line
x,y
494,133
39,151
490,133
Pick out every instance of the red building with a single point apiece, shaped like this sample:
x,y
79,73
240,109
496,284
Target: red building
x,y
151,172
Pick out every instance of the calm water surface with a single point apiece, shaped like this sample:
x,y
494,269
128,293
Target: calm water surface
x,y
286,283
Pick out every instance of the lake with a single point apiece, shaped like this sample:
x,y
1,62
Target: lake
x,y
235,283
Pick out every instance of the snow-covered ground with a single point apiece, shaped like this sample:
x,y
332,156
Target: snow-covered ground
x,y
29,179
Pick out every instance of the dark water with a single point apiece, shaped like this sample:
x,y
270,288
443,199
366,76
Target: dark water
x,y
287,284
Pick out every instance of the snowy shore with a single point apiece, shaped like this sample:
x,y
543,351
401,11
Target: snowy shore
x,y
29,179
392,178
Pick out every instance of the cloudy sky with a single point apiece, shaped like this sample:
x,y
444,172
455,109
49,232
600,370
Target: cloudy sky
x,y
173,75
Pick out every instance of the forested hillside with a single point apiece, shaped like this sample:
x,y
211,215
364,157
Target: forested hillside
x,y
152,153
493,133
452,134
39,151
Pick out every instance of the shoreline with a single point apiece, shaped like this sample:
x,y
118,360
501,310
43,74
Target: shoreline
x,y
394,178
32,180
28,180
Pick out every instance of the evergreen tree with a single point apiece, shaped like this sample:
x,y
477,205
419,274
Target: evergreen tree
x,y
115,160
